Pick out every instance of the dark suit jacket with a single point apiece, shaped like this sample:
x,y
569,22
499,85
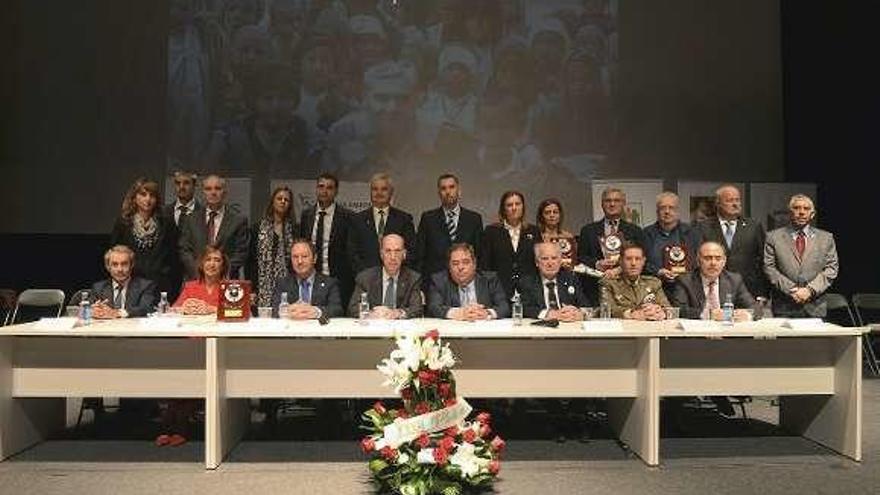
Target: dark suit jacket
x,y
365,243
409,295
443,295
140,296
688,294
497,255
567,286
589,249
232,239
325,294
339,252
432,240
746,254
168,210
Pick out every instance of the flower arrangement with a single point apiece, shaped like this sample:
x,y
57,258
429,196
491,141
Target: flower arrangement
x,y
427,446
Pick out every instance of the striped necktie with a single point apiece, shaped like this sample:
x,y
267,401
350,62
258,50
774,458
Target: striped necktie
x,y
451,225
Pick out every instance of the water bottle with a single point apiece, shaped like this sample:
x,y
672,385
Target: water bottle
x,y
85,308
604,307
363,307
162,307
727,310
283,305
516,309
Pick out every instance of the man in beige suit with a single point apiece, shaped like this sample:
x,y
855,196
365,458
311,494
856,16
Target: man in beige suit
x,y
801,262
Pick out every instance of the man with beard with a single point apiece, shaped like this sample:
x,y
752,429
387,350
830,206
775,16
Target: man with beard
x,y
445,226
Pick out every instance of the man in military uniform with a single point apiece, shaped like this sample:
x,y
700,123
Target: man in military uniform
x,y
634,296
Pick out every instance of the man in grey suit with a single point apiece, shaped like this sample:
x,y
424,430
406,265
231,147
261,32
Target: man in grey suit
x,y
741,238
214,224
801,262
462,293
701,292
314,296
393,291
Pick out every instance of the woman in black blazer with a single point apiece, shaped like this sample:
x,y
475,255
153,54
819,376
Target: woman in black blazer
x,y
507,247
152,236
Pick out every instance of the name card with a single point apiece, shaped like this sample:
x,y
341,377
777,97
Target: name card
x,y
160,322
268,324
699,325
62,323
804,324
603,325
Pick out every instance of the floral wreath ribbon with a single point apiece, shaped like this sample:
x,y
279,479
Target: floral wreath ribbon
x,y
407,430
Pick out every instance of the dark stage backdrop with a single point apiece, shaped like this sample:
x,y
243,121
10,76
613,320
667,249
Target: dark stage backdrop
x,y
538,96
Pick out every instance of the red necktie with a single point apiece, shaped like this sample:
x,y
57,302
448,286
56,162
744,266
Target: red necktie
x,y
800,243
712,298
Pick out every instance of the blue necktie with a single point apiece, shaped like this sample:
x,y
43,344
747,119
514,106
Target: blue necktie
x,y
305,293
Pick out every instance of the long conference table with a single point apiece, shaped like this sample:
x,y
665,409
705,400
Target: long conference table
x,y
816,371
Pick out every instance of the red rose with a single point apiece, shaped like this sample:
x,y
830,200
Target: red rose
x,y
469,435
368,444
423,441
407,393
427,377
451,431
497,444
379,407
422,408
447,443
494,466
440,456
402,414
433,334
485,431
388,453
484,418
445,390
449,402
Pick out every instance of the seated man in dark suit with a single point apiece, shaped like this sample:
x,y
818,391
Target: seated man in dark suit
x,y
214,224
442,227
464,294
368,226
554,294
393,291
122,296
701,292
697,294
313,295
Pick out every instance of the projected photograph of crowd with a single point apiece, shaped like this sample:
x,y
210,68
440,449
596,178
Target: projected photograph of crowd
x,y
502,92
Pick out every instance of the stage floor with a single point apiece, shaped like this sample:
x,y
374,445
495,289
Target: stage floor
x,y
707,454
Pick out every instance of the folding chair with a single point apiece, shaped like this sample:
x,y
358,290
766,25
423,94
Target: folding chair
x,y
7,303
48,302
840,313
861,303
